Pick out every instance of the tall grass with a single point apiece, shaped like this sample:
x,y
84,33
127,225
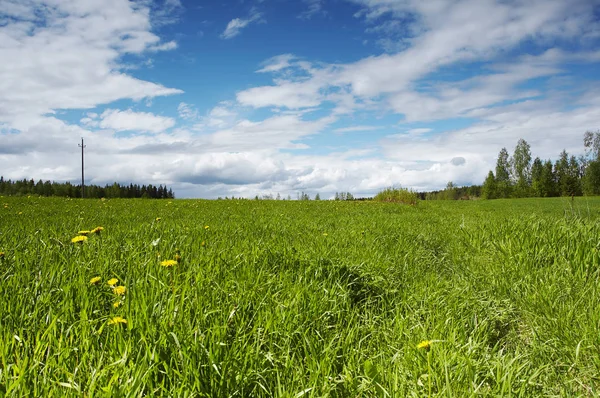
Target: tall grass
x,y
292,299
397,195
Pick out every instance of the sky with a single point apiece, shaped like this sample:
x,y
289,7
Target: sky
x,y
257,97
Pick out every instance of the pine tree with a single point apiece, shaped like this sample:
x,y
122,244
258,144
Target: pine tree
x,y
536,177
489,189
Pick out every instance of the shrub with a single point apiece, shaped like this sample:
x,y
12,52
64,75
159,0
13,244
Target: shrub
x,y
397,195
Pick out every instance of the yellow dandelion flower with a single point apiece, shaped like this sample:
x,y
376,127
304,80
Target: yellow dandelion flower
x,y
112,282
79,239
206,227
158,218
117,321
84,233
119,290
97,230
20,212
426,345
95,280
203,244
168,263
117,304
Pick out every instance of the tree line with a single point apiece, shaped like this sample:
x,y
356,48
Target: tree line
x,y
452,192
66,189
517,176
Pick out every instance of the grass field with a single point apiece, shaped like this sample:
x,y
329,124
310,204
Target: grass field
x,y
291,299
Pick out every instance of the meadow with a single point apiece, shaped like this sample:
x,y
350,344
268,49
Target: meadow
x,y
299,298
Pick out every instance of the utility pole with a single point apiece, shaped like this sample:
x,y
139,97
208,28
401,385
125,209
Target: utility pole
x,y
82,180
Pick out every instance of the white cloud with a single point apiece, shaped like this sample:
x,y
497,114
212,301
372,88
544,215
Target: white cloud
x,y
277,132
235,26
186,111
277,63
353,129
288,94
129,120
219,117
65,55
418,131
170,45
314,7
444,33
71,59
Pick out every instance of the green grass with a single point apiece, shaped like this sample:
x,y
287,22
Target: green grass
x,y
291,299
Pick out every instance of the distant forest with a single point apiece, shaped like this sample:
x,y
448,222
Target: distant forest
x,y
66,189
517,176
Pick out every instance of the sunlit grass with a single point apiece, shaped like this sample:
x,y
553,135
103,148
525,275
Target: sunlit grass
x,y
290,299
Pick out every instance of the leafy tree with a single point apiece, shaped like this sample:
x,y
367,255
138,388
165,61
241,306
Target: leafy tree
x,y
591,178
591,142
450,193
590,163
520,166
503,185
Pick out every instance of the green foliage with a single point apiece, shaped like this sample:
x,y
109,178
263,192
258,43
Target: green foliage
x,y
343,196
30,187
453,192
591,142
300,298
503,182
489,190
570,176
591,179
521,169
397,195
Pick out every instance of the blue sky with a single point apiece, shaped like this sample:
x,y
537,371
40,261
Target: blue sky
x,y
279,96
